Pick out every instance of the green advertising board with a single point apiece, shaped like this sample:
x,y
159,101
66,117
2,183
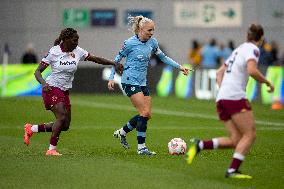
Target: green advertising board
x,y
275,74
76,17
20,80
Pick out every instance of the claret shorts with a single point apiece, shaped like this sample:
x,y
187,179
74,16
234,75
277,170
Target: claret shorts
x,y
54,96
226,108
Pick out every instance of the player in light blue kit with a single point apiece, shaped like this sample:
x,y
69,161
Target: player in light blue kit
x,y
138,50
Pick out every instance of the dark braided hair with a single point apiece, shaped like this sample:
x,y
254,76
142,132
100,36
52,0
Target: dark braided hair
x,y
255,32
66,33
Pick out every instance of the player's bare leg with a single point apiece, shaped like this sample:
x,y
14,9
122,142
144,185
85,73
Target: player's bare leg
x,y
61,115
143,105
246,125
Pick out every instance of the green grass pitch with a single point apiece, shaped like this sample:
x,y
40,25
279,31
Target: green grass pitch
x,y
92,158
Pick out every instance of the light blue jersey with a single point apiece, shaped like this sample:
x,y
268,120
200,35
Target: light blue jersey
x,y
210,56
138,54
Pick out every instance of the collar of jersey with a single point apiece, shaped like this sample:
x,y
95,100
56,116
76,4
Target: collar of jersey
x,y
249,42
140,40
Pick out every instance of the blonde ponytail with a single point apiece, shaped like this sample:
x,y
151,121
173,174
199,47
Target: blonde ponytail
x,y
136,22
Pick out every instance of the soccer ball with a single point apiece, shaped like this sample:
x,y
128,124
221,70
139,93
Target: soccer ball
x,y
177,146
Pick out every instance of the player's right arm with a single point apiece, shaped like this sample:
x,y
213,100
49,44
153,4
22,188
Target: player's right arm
x,y
41,67
45,62
122,53
220,74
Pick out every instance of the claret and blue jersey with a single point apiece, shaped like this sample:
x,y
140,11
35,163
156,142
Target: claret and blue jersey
x,y
138,54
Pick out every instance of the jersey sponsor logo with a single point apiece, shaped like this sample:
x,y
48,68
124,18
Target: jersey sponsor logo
x,y
256,53
140,56
67,63
143,58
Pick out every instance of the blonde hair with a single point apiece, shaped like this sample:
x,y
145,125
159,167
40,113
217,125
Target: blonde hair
x,y
137,22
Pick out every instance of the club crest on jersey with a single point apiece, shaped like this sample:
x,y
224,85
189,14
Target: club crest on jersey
x,y
256,52
132,88
72,54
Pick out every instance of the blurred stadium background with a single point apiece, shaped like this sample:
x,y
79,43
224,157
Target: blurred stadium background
x,y
92,158
102,29
40,22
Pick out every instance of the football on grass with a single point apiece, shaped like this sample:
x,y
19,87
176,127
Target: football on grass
x,y
177,146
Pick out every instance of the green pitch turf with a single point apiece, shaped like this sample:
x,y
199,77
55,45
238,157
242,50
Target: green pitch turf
x,y
92,158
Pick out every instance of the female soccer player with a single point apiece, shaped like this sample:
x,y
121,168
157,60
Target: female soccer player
x,y
232,106
138,50
63,58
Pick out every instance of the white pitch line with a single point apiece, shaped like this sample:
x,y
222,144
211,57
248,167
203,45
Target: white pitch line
x,y
162,112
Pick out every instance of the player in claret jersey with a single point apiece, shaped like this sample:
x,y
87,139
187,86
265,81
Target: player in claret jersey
x,y
232,106
63,58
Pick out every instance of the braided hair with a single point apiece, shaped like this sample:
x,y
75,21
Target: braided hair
x,y
66,33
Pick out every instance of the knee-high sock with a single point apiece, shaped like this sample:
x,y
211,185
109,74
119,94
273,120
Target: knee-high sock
x,y
141,129
236,162
131,124
44,127
208,144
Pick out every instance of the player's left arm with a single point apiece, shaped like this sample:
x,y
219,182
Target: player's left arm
x,y
100,60
171,62
104,61
257,75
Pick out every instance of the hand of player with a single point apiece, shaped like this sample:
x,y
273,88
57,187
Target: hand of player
x,y
270,87
110,85
46,87
119,68
185,70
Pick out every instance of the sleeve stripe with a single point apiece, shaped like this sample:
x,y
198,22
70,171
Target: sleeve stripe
x,y
158,51
87,56
44,63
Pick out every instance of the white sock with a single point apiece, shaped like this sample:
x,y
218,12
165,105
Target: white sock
x,y
231,170
122,132
201,145
140,146
35,128
215,143
51,147
238,156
